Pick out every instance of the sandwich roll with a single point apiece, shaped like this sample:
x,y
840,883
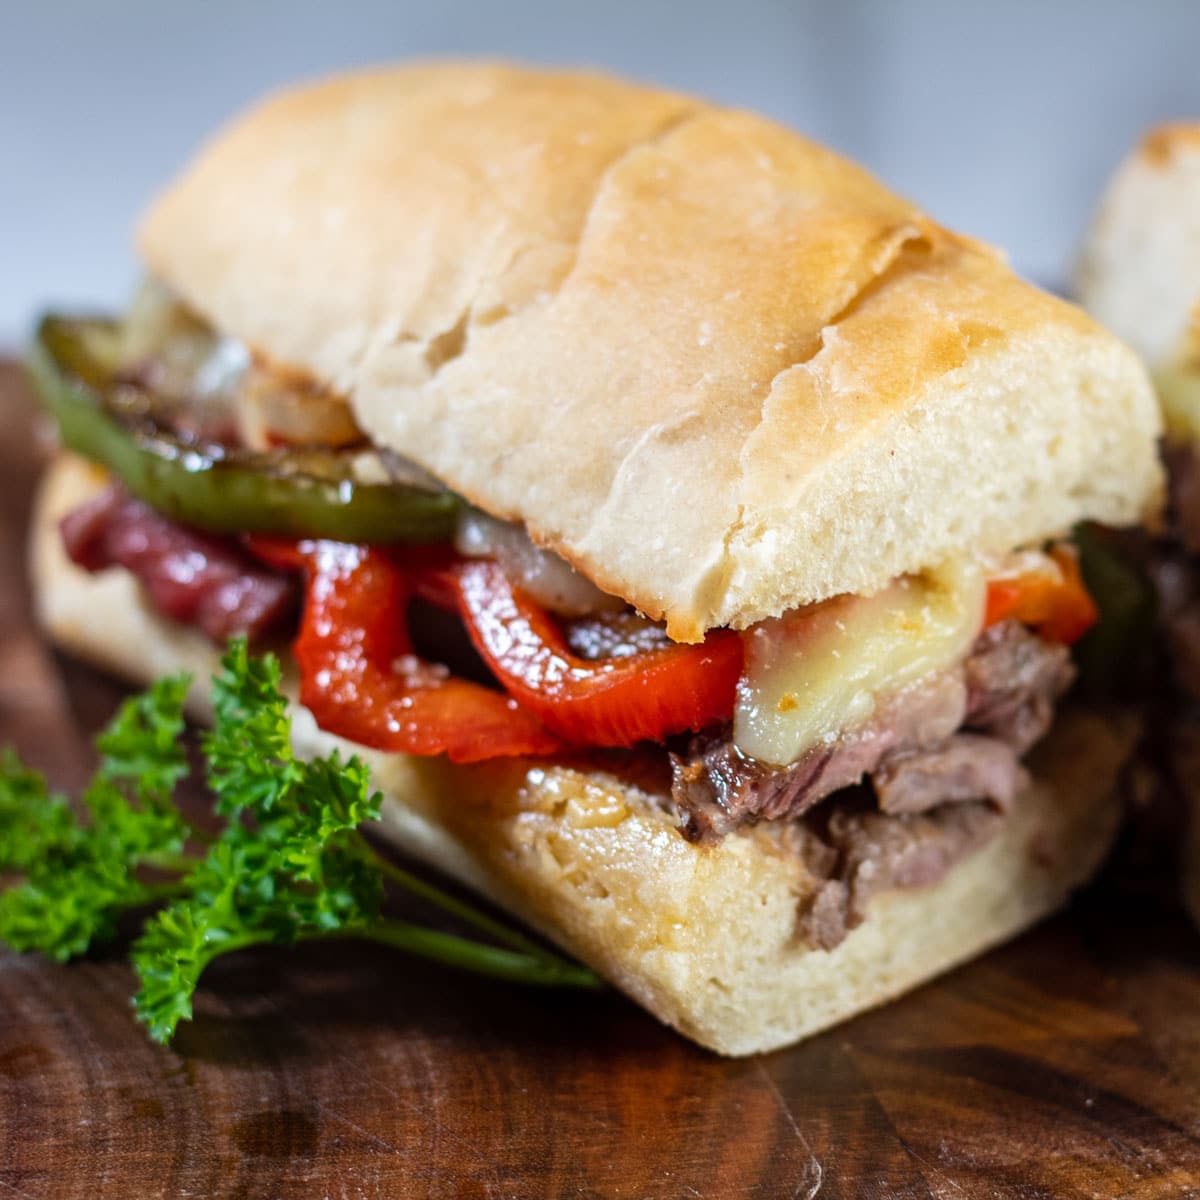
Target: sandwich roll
x,y
678,521
1139,270
1139,273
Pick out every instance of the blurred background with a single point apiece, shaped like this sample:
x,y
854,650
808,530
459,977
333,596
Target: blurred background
x,y
1001,119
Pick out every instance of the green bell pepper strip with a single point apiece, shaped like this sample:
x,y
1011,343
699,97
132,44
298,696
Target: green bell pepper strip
x,y
285,492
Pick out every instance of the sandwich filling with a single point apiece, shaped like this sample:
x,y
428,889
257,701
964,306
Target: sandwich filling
x,y
1175,563
881,735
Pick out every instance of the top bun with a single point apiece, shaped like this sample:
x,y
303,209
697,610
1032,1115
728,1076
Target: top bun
x,y
1140,268
719,368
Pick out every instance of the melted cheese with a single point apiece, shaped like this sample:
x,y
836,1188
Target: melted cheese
x,y
1179,394
817,671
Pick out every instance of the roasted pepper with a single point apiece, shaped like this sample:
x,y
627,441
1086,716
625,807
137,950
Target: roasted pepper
x,y
310,492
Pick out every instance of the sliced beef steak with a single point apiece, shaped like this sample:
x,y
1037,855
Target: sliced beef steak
x,y
1014,679
1183,490
717,788
911,749
857,853
1176,578
1174,568
189,576
967,766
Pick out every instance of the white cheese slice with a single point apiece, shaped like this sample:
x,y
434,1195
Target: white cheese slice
x,y
817,671
1179,394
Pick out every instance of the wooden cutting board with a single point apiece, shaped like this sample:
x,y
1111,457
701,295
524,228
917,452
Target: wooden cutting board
x,y
1065,1065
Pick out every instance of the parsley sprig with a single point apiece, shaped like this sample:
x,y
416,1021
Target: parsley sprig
x,y
288,865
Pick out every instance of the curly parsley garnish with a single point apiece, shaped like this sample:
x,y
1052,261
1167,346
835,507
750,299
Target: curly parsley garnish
x,y
289,864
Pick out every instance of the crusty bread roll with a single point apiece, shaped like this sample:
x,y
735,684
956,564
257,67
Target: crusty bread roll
x,y
1139,270
1139,273
703,936
716,366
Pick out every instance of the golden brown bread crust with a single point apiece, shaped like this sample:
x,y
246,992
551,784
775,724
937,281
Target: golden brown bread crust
x,y
1161,144
704,937
719,368
1139,271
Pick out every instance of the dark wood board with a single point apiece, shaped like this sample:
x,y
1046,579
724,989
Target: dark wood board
x,y
1065,1065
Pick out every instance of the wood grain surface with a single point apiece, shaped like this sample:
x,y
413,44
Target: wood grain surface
x,y
1065,1065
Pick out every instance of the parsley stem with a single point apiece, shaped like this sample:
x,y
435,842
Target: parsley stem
x,y
465,912
237,941
167,860
163,891
470,955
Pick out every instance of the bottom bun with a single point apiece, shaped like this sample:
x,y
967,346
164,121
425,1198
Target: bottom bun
x,y
705,937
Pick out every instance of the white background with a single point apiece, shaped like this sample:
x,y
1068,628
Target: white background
x,y
1002,118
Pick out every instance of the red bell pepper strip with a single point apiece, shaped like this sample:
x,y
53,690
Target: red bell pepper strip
x,y
607,702
360,679
1056,603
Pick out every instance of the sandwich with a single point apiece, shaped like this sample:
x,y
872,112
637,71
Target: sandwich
x,y
1139,273
677,521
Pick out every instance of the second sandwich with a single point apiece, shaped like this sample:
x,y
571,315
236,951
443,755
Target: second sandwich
x,y
1140,274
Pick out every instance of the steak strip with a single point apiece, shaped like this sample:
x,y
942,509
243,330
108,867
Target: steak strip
x,y
857,853
1176,578
189,576
911,750
1174,570
1183,492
